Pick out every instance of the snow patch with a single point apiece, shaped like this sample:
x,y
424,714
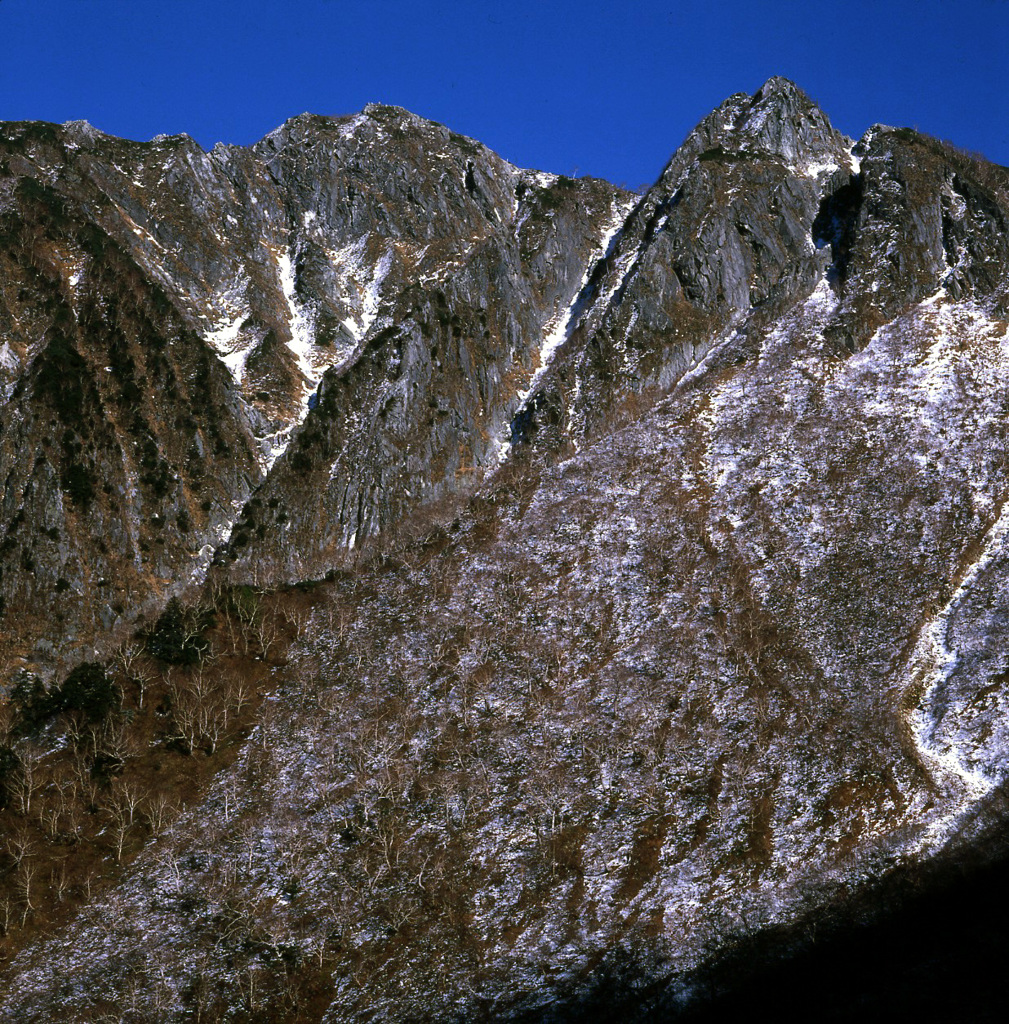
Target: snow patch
x,y
932,660
815,168
300,320
8,358
272,446
362,281
223,341
542,178
347,129
560,327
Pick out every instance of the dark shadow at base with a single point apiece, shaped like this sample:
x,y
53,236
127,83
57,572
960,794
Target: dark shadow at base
x,y
927,943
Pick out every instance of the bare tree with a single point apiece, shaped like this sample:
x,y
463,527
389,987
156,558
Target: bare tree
x,y
24,881
129,794
59,881
6,914
29,778
159,809
130,659
266,632
239,692
299,619
119,824
20,843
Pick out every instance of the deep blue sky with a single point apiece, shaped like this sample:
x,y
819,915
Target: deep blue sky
x,y
576,87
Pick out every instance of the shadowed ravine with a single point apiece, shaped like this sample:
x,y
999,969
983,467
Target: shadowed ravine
x,y
925,944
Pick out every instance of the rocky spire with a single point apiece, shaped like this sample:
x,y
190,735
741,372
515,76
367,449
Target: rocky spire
x,y
778,121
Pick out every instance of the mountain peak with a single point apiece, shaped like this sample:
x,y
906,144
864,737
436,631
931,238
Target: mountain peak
x,y
582,496
778,121
82,129
778,85
781,120
377,120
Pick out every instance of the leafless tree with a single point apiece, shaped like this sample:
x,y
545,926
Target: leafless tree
x,y
119,824
159,810
29,778
6,913
266,633
130,659
130,795
20,843
59,881
24,881
238,691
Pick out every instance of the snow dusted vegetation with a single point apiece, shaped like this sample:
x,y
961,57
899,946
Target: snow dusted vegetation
x,y
540,773
434,734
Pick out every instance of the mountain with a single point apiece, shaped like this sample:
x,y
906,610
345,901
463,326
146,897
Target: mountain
x,y
434,590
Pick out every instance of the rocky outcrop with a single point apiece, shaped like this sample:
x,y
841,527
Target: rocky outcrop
x,y
723,238
419,410
122,442
182,307
358,317
921,216
689,616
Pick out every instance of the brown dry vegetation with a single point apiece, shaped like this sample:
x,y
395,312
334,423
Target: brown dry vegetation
x,y
633,697
84,793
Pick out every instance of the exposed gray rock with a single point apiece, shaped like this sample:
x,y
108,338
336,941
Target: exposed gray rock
x,y
184,306
724,236
690,614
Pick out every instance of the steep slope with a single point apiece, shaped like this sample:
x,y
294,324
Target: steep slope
x,y
122,442
176,311
419,411
655,698
699,631
725,235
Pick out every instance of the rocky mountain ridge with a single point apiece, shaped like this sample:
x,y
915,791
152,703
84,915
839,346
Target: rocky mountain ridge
x,y
254,271
663,540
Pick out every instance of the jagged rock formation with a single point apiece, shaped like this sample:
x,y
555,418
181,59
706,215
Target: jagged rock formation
x,y
192,303
725,232
665,539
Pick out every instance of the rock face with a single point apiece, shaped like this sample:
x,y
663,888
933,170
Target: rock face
x,y
474,279
169,317
665,543
725,233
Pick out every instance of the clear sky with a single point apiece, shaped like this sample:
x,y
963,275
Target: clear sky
x,y
578,87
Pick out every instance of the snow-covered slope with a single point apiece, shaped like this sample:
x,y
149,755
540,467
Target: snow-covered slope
x,y
664,554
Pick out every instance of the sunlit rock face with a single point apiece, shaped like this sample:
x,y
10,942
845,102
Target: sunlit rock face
x,y
663,536
369,292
